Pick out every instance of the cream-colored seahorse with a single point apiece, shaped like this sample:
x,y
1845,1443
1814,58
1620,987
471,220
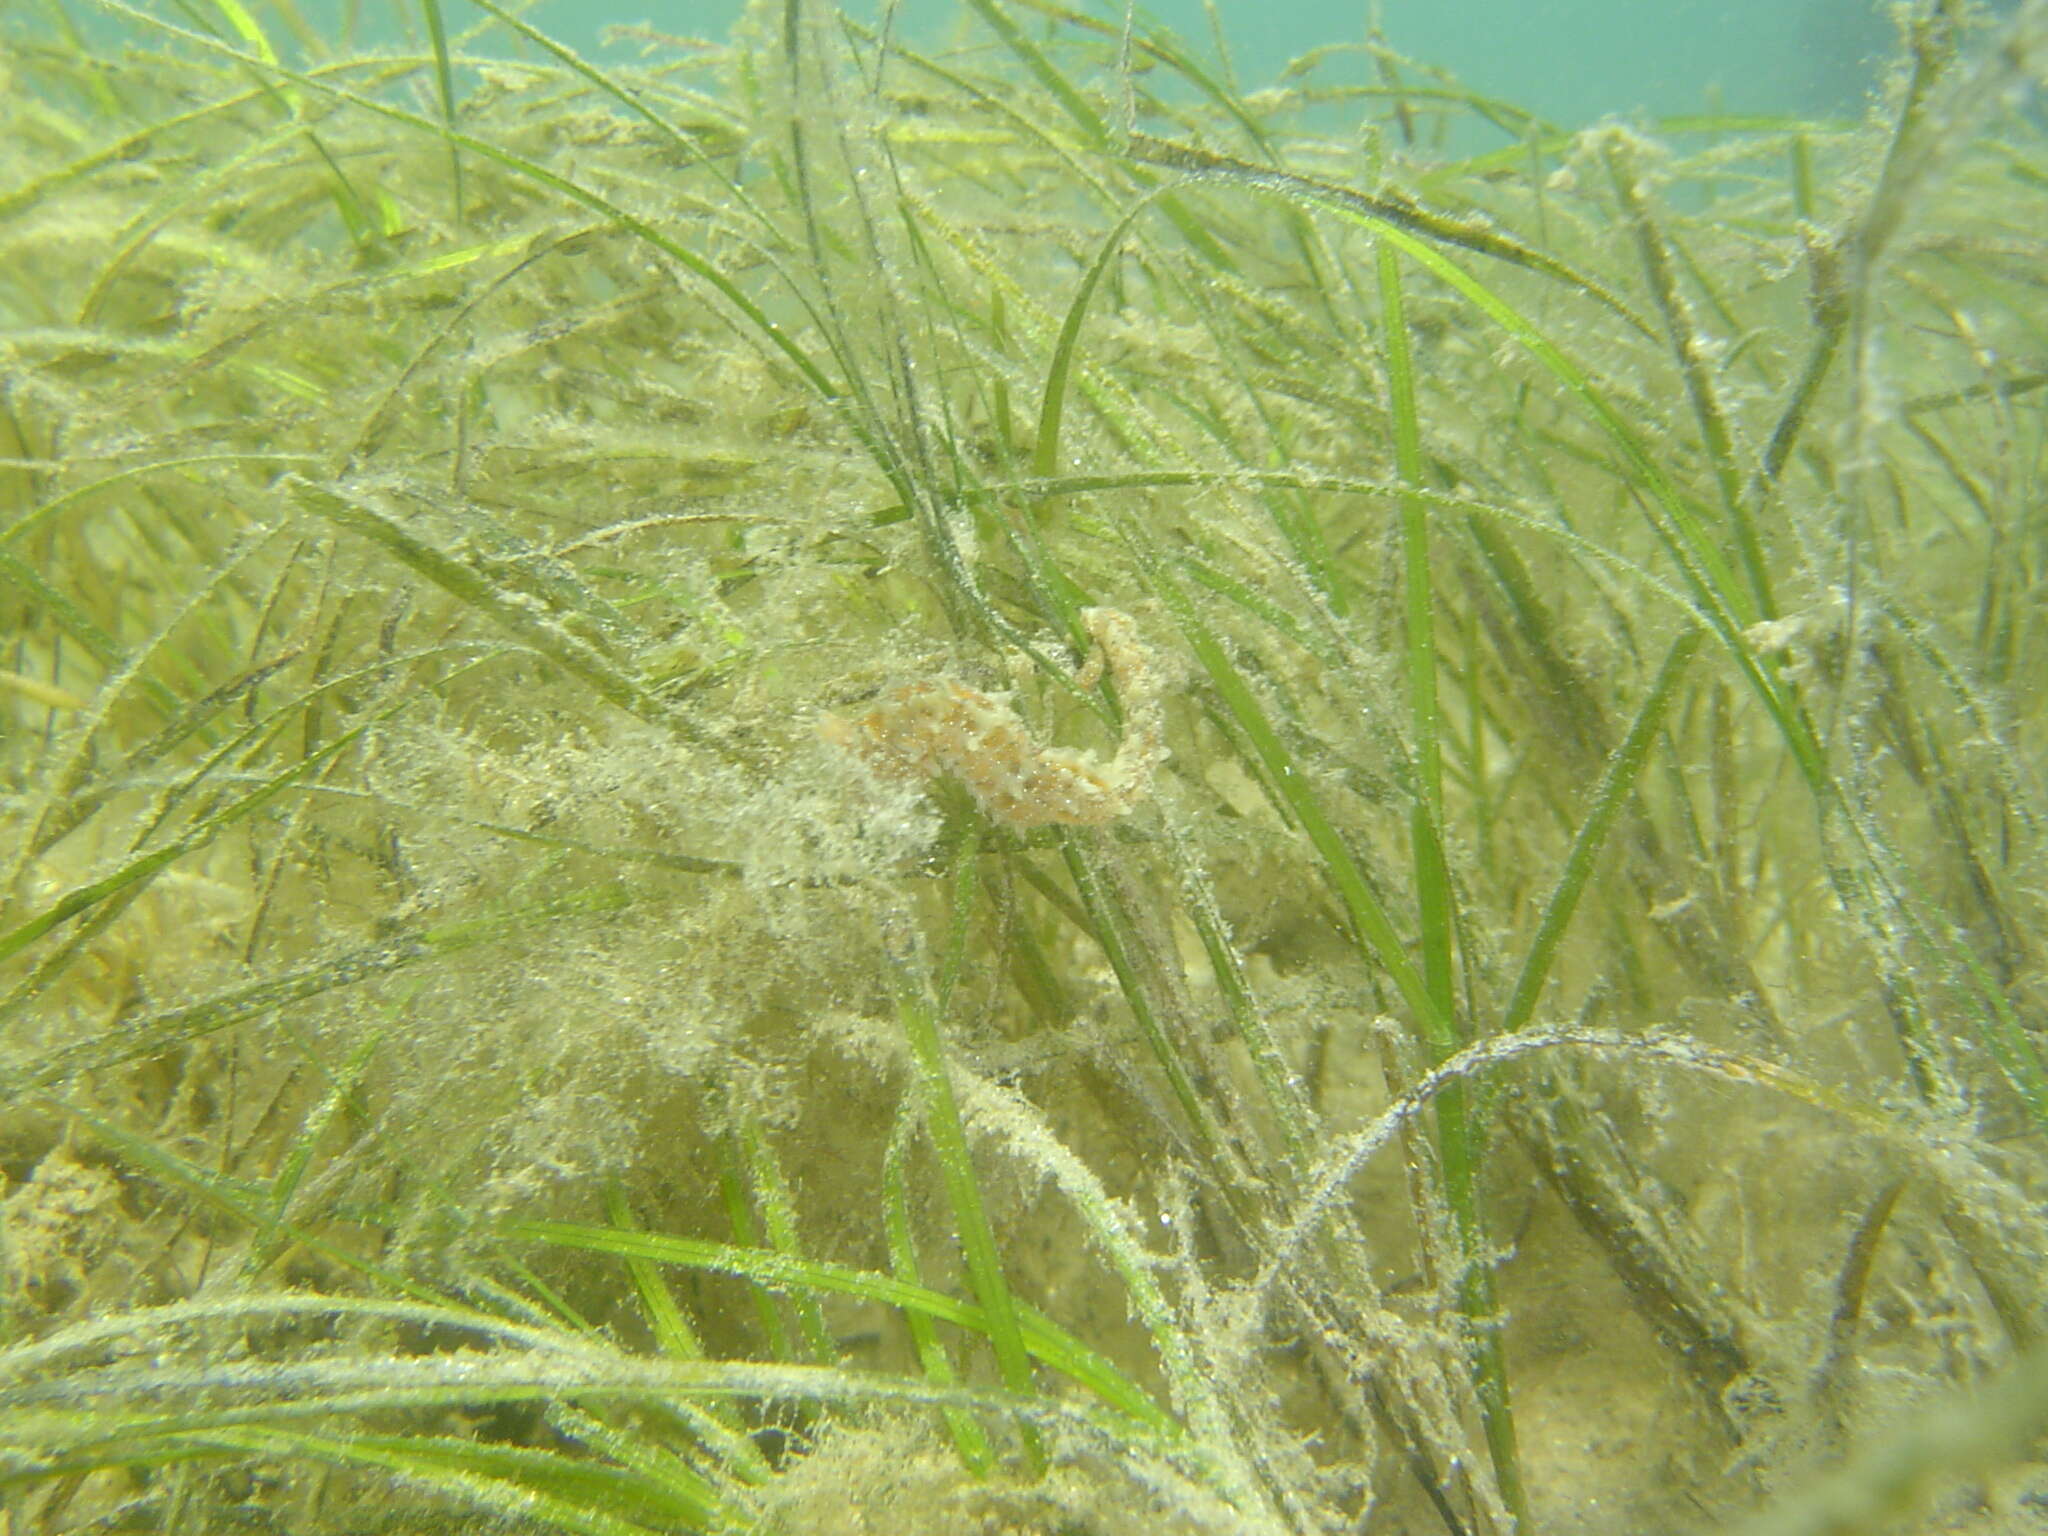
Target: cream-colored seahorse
x,y
942,726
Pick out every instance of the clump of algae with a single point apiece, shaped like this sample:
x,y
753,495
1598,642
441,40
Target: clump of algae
x,y
1545,1034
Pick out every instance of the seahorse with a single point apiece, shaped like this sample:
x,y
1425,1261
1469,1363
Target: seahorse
x,y
941,726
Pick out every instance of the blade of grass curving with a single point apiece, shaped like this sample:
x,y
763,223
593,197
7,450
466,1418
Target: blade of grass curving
x,y
1432,878
970,1442
1253,601
653,1448
1686,346
1890,882
718,1426
270,1240
1033,1142
1456,1132
1304,537
567,1493
92,1337
583,654
1158,43
1084,169
654,1441
1285,1099
1328,1192
1372,929
1045,1340
1343,485
1042,69
1617,783
533,1301
1384,209
739,1215
1111,923
244,26
1721,597
129,147
507,574
72,619
84,897
673,1334
778,1216
956,1168
620,92
62,1391
94,1401
62,799
243,1201
1222,302
522,252
31,518
1045,458
1417,233
196,197
855,400
1086,118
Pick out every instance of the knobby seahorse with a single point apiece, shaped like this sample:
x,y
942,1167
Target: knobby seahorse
x,y
941,726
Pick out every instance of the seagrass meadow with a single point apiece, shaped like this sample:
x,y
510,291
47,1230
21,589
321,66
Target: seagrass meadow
x,y
828,782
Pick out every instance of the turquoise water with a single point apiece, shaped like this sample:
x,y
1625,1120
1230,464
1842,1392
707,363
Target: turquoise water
x,y
1572,61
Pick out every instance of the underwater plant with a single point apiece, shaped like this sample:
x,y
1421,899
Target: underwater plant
x,y
825,784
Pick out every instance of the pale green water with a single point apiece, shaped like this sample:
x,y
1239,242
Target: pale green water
x,y
1570,60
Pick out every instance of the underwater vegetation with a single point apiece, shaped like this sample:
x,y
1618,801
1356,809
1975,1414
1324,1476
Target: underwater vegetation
x,y
822,784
